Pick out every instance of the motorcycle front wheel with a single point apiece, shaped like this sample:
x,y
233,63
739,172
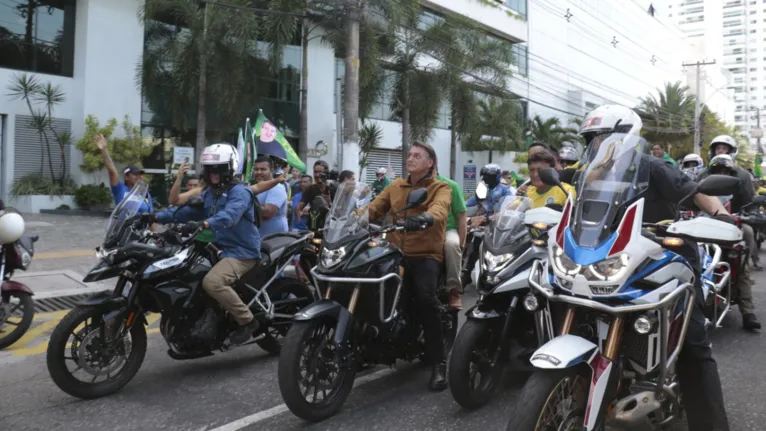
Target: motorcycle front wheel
x,y
17,310
81,365
552,400
313,385
473,367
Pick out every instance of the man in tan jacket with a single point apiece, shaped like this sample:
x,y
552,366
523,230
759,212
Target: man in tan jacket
x,y
423,248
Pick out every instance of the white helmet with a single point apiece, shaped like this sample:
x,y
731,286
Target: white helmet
x,y
726,140
221,154
381,171
609,119
688,161
568,153
11,227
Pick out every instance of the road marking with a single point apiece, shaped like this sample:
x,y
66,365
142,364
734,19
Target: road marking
x,y
277,410
64,254
26,345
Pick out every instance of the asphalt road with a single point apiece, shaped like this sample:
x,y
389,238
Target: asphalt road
x,y
238,390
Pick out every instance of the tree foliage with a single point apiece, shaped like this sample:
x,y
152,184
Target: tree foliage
x,y
551,132
497,127
128,149
370,137
41,98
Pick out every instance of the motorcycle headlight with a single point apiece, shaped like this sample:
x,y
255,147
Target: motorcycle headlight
x,y
330,258
495,263
564,264
608,269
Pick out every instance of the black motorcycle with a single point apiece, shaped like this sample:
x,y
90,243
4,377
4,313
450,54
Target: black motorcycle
x,y
499,337
104,338
329,341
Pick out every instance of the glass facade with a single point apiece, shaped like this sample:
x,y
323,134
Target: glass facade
x,y
37,36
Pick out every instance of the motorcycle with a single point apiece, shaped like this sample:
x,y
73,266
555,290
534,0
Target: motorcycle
x,y
366,316
474,235
498,335
629,299
105,336
17,308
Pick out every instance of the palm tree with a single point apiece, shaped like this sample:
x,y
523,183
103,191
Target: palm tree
x,y
466,53
207,64
552,133
497,127
370,136
668,116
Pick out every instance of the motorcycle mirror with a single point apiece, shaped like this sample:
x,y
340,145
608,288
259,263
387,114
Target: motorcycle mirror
x,y
481,191
759,200
416,198
762,194
719,185
549,176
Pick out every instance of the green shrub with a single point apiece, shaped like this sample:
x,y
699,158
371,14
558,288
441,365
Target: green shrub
x,y
36,184
130,149
64,207
91,195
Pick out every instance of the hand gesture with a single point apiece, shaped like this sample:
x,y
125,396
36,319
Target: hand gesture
x,y
183,169
522,191
100,141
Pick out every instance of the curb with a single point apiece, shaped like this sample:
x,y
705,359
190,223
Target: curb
x,y
100,214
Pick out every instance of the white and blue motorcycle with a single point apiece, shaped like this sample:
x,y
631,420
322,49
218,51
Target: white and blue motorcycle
x,y
627,295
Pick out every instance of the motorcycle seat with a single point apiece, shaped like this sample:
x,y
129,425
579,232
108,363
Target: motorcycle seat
x,y
273,245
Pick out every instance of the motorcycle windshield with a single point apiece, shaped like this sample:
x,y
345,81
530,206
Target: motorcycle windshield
x,y
124,212
345,219
506,228
616,174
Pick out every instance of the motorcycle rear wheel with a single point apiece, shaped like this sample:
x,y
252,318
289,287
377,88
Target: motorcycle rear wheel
x,y
59,352
19,325
314,339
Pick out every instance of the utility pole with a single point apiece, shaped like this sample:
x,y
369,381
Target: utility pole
x,y
351,94
698,106
758,132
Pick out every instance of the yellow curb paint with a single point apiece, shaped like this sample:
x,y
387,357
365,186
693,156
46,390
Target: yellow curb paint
x,y
56,316
20,348
64,254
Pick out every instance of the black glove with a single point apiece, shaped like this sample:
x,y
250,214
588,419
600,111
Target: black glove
x,y
418,222
190,228
726,218
148,218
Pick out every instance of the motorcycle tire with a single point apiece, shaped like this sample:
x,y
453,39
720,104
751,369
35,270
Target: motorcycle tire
x,y
290,377
461,382
58,350
28,304
538,392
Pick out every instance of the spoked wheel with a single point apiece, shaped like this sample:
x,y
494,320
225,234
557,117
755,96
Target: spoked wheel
x,y
473,368
295,296
312,382
552,401
83,364
17,309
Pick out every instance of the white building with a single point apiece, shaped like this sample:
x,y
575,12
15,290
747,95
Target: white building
x,y
733,33
581,54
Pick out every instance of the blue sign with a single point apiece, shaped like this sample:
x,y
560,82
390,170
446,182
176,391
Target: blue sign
x,y
469,172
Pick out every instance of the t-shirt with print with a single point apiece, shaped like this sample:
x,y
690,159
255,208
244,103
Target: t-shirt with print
x,y
276,196
120,190
457,205
552,196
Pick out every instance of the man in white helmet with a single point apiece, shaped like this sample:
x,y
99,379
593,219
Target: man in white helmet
x,y
228,213
723,150
381,181
697,370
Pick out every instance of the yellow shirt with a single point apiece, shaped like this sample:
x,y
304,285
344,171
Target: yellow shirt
x,y
554,196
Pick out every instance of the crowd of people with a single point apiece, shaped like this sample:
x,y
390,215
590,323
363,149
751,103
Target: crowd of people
x,y
238,215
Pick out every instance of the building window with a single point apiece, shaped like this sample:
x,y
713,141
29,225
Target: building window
x,y
521,58
381,109
428,19
37,36
519,6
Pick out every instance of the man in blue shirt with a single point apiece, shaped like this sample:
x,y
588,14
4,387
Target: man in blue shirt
x,y
273,202
228,213
131,175
302,222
